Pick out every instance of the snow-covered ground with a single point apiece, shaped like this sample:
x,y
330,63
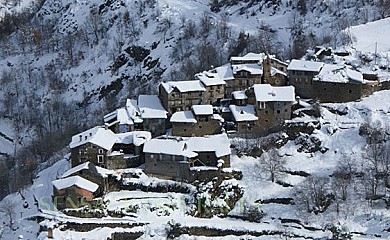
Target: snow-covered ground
x,y
154,210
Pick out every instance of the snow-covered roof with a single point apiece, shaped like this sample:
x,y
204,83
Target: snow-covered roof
x,y
210,78
243,113
76,169
307,66
225,72
268,93
121,116
254,69
104,172
202,109
250,57
339,74
150,107
183,116
99,136
133,110
275,71
184,86
219,144
169,146
75,181
239,95
135,137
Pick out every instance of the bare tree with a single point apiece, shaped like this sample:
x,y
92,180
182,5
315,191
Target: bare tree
x,y
383,8
313,194
7,207
273,164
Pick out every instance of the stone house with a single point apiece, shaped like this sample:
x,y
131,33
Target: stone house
x,y
200,121
93,145
329,82
106,149
74,192
246,70
168,158
239,98
211,149
301,74
245,75
181,95
245,118
273,105
214,85
175,158
274,72
119,121
89,172
153,114
128,150
144,114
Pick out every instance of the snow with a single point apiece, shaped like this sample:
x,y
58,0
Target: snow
x,y
184,86
219,143
275,71
268,93
210,78
243,113
339,74
249,57
354,75
76,169
75,181
133,110
135,137
97,135
169,146
254,69
302,65
183,116
367,37
239,95
202,109
225,72
150,107
121,115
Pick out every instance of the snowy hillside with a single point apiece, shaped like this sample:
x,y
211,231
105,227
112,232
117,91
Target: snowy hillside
x,y
371,37
155,212
70,62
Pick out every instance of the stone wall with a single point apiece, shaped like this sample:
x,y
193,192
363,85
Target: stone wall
x,y
336,92
214,94
177,168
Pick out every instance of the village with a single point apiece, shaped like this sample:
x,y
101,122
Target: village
x,y
183,133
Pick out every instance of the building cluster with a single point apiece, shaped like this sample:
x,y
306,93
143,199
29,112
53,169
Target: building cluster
x,y
181,133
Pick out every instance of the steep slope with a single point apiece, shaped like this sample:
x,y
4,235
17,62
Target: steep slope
x,y
69,62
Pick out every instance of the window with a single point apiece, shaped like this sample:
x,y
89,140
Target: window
x,y
200,126
173,95
278,111
261,105
100,151
349,91
100,159
285,110
151,156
